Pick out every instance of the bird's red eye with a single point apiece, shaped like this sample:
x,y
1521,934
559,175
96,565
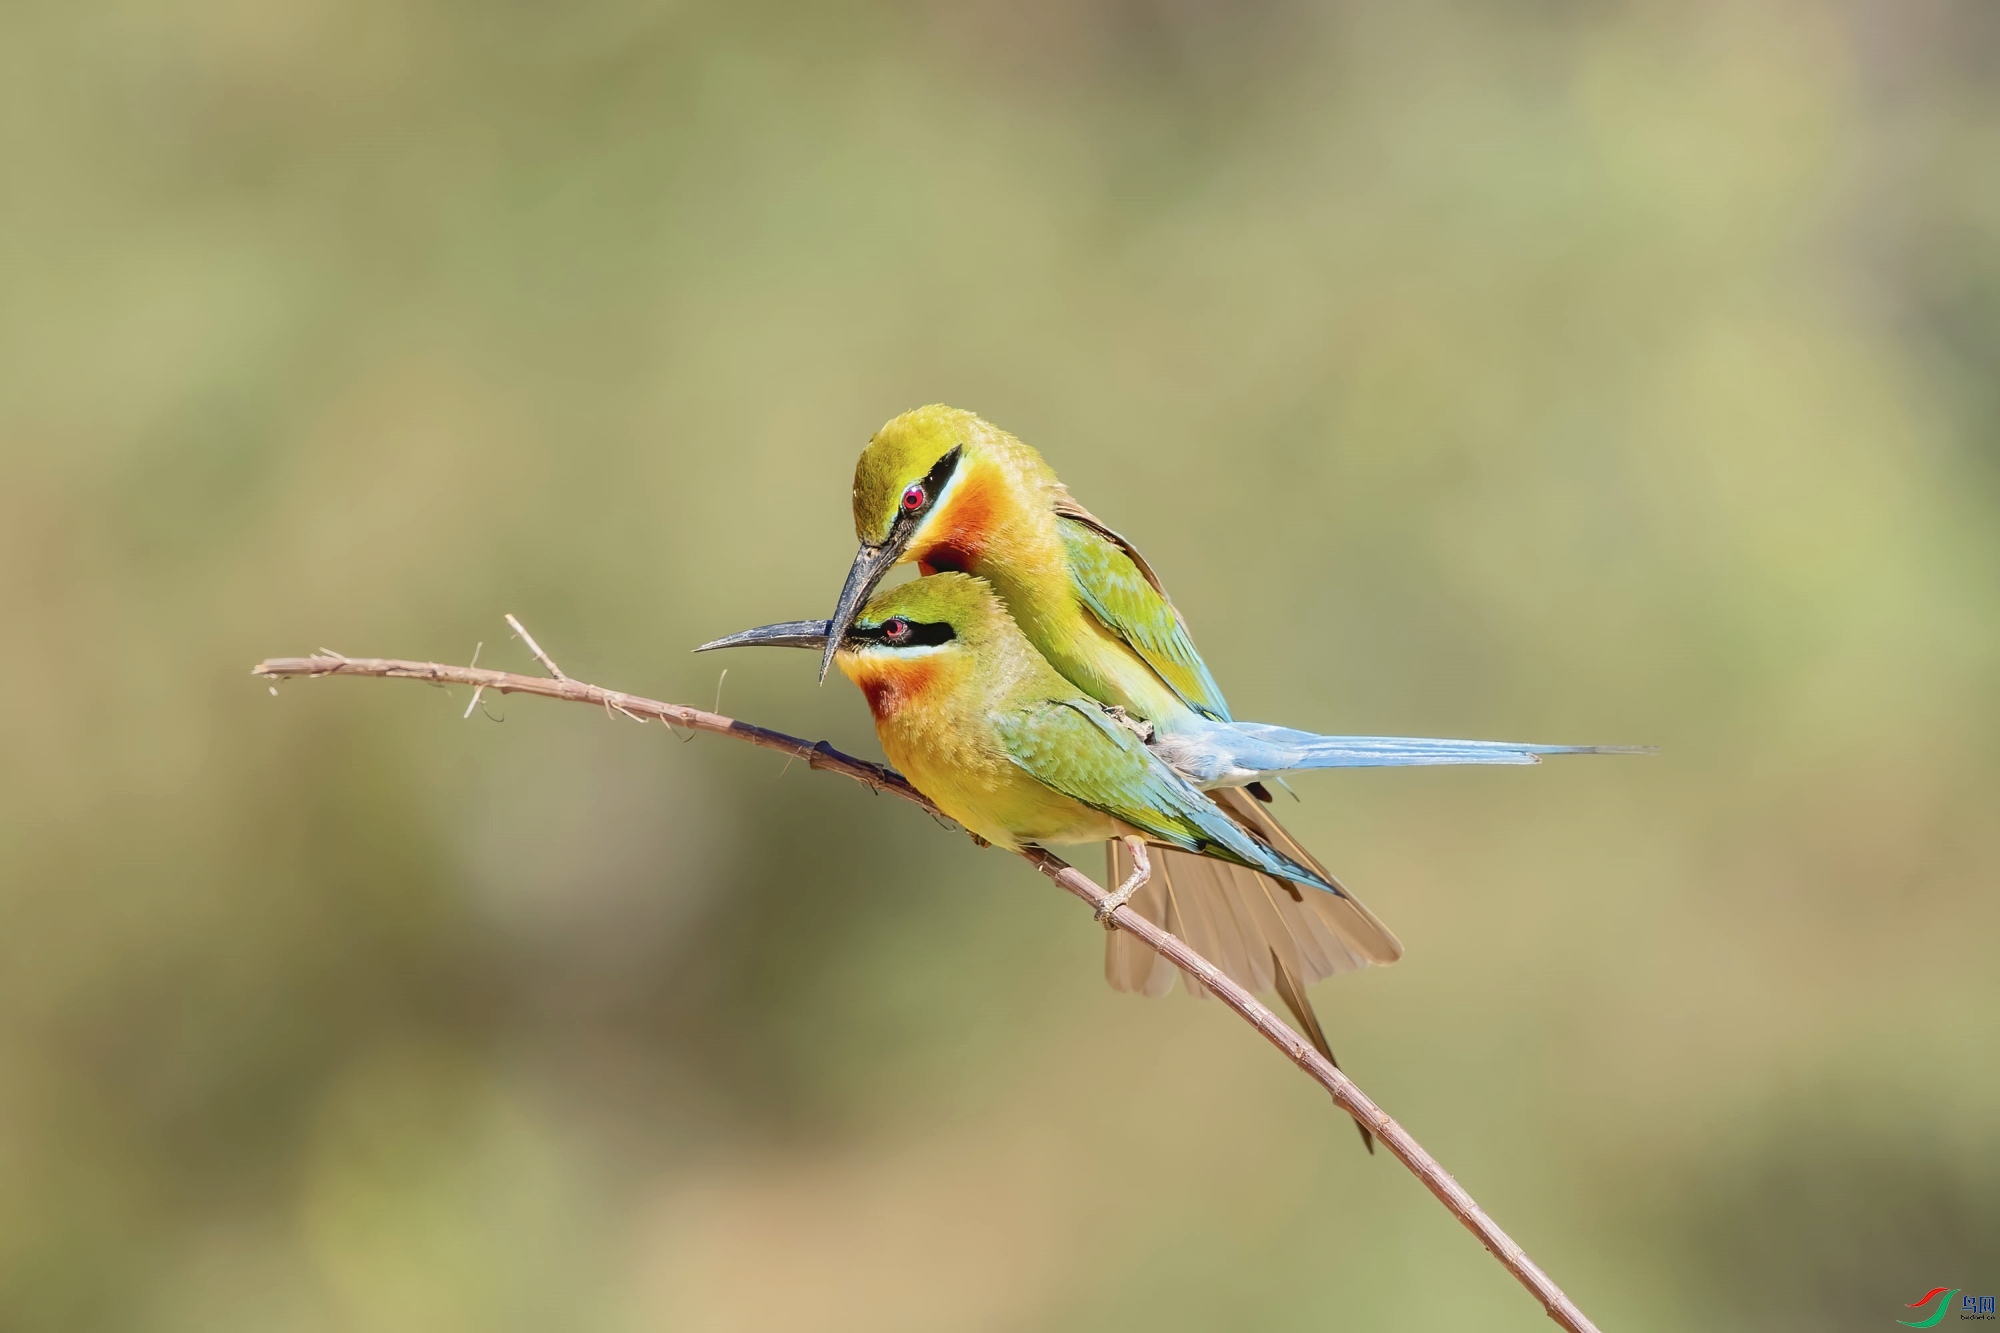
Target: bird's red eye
x,y
913,499
895,629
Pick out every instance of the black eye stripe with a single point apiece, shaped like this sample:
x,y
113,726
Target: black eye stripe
x,y
933,484
920,635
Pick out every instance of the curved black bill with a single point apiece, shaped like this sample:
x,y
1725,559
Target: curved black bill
x,y
790,634
870,564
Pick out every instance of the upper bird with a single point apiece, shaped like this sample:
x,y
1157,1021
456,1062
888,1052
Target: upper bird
x,y
948,490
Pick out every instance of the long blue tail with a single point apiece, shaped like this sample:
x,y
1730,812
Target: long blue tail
x,y
1314,751
1232,753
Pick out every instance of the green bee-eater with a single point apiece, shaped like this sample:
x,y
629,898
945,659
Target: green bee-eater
x,y
980,723
947,490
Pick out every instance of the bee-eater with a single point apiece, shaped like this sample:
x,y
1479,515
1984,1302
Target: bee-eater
x,y
941,487
980,723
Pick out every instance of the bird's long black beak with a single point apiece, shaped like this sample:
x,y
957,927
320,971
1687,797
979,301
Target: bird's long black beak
x,y
790,634
870,564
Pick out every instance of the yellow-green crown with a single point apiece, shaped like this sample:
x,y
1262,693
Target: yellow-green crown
x,y
967,604
902,452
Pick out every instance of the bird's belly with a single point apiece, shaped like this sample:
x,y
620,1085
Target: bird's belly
x,y
1208,754
990,794
1039,815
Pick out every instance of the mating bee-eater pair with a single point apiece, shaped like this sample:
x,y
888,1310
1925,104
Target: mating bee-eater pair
x,y
1039,687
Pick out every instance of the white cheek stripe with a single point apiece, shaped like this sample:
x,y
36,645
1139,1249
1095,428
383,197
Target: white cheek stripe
x,y
886,650
944,497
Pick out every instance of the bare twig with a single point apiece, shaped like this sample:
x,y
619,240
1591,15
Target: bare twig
x,y
548,663
817,754
820,755
477,690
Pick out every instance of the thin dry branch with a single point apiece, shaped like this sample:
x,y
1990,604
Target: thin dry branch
x,y
820,755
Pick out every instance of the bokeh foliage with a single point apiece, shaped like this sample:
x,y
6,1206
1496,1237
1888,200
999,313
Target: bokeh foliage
x,y
1610,373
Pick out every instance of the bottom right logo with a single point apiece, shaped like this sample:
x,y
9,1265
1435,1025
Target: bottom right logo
x,y
1968,1307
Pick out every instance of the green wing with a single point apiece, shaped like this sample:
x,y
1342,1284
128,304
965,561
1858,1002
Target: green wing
x,y
1076,750
1079,752
1118,591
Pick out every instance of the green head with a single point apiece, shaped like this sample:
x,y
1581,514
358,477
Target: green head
x,y
904,469
904,633
923,613
910,488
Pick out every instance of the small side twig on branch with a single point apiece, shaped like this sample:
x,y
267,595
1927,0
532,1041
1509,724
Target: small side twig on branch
x,y
548,663
477,690
820,755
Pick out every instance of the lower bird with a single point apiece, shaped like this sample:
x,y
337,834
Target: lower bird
x,y
1000,741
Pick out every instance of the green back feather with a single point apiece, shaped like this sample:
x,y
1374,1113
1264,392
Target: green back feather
x,y
1125,602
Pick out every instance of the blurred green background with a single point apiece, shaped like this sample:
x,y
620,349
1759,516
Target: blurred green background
x,y
1614,373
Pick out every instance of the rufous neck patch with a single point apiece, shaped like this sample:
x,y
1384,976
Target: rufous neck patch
x,y
960,533
892,684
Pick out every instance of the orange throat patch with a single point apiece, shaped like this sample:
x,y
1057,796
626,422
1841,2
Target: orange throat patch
x,y
966,525
891,685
